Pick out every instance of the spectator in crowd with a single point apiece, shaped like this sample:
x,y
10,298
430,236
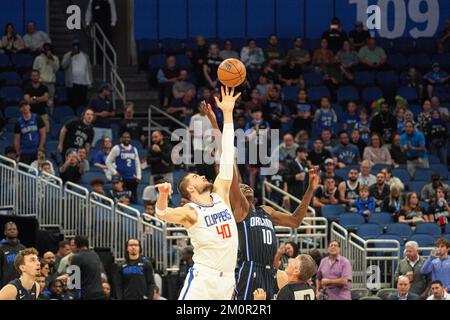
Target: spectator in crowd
x,y
429,191
63,250
288,251
435,78
42,160
412,212
124,160
64,262
97,187
104,13
101,156
395,202
278,181
35,39
288,148
82,155
335,36
136,281
390,179
103,110
359,36
334,276
325,117
186,263
328,194
183,108
119,193
329,172
302,139
302,112
384,123
77,133
347,58
107,291
323,57
345,154
403,287
91,269
399,113
29,134
10,247
318,155
363,126
301,56
47,64
413,143
40,280
73,169
252,56
365,177
36,94
439,292
357,141
438,263
11,41
167,76
439,210
56,290
159,158
130,124
10,153
349,189
273,54
157,295
275,111
372,57
297,176
424,117
328,140
78,75
438,137
398,156
350,117
376,152
228,52
410,267
254,102
413,79
182,85
436,105
290,74
50,259
365,204
380,190
444,37
199,55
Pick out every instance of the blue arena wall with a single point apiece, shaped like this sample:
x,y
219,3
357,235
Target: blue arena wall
x,y
180,19
19,12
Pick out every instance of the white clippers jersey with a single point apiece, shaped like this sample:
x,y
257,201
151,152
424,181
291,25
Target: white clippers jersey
x,y
214,236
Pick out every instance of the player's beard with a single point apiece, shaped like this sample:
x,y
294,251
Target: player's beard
x,y
206,188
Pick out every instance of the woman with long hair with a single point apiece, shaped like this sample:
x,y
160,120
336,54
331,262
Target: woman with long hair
x,y
100,156
412,213
11,41
395,202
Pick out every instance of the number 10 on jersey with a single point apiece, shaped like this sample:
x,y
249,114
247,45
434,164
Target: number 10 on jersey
x,y
224,231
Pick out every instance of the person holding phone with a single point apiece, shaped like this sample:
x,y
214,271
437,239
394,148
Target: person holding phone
x,y
73,168
438,263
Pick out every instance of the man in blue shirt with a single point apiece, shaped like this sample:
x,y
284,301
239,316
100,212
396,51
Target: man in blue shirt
x,y
412,142
29,134
345,153
438,263
435,78
103,111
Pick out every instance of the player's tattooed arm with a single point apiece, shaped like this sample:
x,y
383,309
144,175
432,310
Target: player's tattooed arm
x,y
185,216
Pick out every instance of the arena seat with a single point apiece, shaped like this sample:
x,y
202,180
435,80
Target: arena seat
x,y
421,61
347,93
416,186
316,93
370,298
364,78
10,79
399,229
369,231
61,112
383,219
428,228
313,79
422,174
424,240
416,109
183,62
290,93
385,43
387,78
61,95
402,174
23,61
332,212
91,175
12,112
384,294
5,62
443,59
370,94
408,93
60,79
358,293
351,220
397,61
425,45
11,95
438,168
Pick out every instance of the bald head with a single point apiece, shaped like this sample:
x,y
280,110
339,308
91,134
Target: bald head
x,y
49,258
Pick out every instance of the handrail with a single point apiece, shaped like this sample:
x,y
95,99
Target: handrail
x,y
168,116
105,45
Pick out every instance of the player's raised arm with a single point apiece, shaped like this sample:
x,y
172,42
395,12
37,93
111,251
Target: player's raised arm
x,y
184,216
223,181
295,220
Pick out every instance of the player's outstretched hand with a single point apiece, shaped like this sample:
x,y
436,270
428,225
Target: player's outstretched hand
x,y
228,99
164,188
207,109
259,294
314,178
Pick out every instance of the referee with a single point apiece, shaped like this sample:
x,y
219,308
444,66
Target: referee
x,y
136,280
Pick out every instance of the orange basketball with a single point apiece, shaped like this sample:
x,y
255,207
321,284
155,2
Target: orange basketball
x,y
232,73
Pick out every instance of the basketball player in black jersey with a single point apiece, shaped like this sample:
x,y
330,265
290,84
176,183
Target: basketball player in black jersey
x,y
257,239
25,287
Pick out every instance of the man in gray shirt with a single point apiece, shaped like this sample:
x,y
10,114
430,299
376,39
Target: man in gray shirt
x,y
34,40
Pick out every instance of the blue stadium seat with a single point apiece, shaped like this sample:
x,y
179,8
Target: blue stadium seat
x,y
23,61
316,93
416,109
408,93
51,146
424,240
60,79
332,212
10,79
381,218
387,78
428,228
60,112
290,93
183,62
12,112
157,61
446,236
369,231
426,45
55,129
447,228
351,220
91,175
371,94
422,174
313,79
420,61
390,245
402,230
403,45
439,168
397,61
364,78
416,186
388,236
402,174
173,46
68,119
347,93
311,44
11,95
5,62
61,95
443,59
385,43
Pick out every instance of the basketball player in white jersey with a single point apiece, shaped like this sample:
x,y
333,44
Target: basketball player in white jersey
x,y
208,219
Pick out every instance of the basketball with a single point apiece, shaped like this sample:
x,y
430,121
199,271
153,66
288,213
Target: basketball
x,y
232,73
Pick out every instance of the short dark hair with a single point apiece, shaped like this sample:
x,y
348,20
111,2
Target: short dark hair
x,y
81,241
301,149
127,257
342,132
442,242
97,182
35,70
439,282
63,243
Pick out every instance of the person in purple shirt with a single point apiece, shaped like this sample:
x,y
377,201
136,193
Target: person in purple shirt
x,y
334,275
438,263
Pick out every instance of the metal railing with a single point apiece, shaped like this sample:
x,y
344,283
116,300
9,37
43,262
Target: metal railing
x,y
154,125
109,62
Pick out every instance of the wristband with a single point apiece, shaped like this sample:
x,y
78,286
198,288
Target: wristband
x,y
161,213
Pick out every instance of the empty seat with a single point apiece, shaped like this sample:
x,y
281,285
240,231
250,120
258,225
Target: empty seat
x,y
369,231
317,93
408,93
23,61
12,112
157,61
351,220
438,168
402,174
5,62
421,61
347,93
60,79
371,94
11,95
61,95
382,219
384,294
424,240
428,228
10,79
183,62
332,212
416,186
403,45
426,45
400,229
358,293
397,61
387,78
290,93
422,174
89,176
313,79
364,78
60,112
371,298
